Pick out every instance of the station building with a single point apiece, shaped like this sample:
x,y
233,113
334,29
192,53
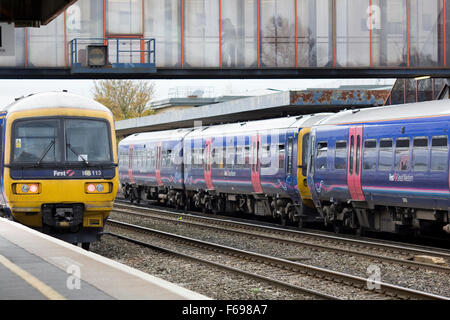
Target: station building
x,y
247,34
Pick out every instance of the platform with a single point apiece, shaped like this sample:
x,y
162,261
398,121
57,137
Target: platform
x,y
35,266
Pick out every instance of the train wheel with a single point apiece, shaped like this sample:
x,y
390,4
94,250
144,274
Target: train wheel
x,y
337,227
360,232
300,223
283,220
85,245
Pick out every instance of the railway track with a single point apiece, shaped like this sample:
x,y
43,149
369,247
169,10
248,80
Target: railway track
x,y
389,253
280,272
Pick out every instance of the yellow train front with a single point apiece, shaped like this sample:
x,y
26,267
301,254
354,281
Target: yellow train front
x,y
59,165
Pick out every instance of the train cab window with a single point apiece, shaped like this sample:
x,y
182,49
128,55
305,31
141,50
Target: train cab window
x,y
340,155
321,155
439,153
385,155
420,154
36,139
370,154
281,155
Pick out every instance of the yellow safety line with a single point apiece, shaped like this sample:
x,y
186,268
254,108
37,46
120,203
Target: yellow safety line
x,y
33,281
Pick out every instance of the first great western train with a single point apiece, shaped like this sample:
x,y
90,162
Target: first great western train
x,y
382,169
58,165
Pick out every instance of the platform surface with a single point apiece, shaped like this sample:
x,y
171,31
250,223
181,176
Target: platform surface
x,y
35,266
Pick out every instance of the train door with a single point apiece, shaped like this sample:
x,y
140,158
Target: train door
x,y
255,163
354,163
207,164
158,164
130,162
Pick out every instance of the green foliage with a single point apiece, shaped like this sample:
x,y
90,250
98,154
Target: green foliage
x,y
125,98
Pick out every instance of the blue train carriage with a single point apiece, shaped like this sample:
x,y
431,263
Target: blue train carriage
x,y
383,169
151,167
249,167
59,165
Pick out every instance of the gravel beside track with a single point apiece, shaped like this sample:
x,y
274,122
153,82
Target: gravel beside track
x,y
424,280
209,281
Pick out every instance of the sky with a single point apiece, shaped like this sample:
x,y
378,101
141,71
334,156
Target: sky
x,y
10,89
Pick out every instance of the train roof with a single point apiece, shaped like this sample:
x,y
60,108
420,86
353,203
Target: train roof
x,y
389,113
258,125
176,134
54,100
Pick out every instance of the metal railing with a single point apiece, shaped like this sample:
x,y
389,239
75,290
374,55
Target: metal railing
x,y
121,52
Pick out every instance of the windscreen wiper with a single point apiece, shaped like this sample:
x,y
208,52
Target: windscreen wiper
x,y
46,151
79,156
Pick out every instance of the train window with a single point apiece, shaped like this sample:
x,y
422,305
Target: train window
x,y
290,157
420,154
402,154
247,157
340,155
305,148
352,145
230,156
321,155
370,155
169,159
239,157
36,139
385,155
265,157
358,153
281,156
439,153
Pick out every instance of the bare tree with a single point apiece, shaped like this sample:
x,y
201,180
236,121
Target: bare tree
x,y
125,98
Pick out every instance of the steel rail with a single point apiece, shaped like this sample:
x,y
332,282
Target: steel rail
x,y
321,273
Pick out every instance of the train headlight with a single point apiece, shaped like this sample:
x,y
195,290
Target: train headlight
x,y
26,188
91,188
34,188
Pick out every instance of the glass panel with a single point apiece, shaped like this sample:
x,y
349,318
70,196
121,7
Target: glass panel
x,y
420,154
385,156
163,22
201,33
352,145
239,33
315,40
352,33
370,155
124,16
425,20
46,44
278,33
17,57
36,140
88,140
389,32
439,154
305,148
402,154
322,151
340,160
